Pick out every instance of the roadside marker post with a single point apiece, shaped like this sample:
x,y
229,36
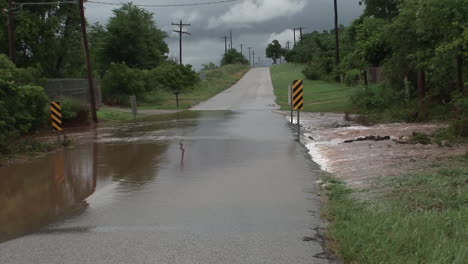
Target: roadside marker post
x,y
290,101
177,92
133,103
298,102
56,116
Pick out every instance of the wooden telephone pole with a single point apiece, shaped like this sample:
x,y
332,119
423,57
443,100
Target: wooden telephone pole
x,y
181,33
11,32
337,39
249,56
92,93
225,44
300,35
230,36
253,58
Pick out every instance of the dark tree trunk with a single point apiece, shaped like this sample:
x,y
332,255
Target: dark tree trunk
x,y
422,84
461,84
366,80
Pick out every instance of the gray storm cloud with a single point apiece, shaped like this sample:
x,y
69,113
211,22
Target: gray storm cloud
x,y
254,23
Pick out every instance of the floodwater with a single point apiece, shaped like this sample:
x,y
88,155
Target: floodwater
x,y
195,187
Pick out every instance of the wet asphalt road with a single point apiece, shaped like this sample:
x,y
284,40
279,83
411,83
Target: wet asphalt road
x,y
198,187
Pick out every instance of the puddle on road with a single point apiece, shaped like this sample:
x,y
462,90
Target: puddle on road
x,y
117,163
56,186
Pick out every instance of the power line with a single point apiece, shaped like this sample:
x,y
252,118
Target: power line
x,y
167,5
181,32
48,3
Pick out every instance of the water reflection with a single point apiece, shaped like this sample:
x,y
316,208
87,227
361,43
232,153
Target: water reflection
x,y
42,191
55,187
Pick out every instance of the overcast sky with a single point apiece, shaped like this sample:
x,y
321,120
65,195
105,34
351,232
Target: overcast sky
x,y
254,23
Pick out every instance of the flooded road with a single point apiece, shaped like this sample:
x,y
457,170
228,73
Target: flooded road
x,y
195,187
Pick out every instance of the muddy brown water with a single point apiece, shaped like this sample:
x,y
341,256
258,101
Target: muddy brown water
x,y
195,187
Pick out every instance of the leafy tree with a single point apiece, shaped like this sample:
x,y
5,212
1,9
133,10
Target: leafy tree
x,y
385,9
274,51
120,82
171,76
209,66
233,57
130,37
49,36
22,101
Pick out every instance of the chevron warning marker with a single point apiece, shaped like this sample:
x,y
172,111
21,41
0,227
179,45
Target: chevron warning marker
x,y
56,116
298,94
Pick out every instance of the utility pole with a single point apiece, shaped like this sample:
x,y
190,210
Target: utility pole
x,y
249,56
287,44
337,40
242,53
230,36
253,58
92,93
11,32
225,44
181,33
300,33
294,29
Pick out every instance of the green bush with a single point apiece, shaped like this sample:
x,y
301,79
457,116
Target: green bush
x,y
312,71
22,103
120,82
233,57
375,97
172,77
154,97
74,110
352,77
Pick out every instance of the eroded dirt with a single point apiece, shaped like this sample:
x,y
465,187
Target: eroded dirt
x,y
359,163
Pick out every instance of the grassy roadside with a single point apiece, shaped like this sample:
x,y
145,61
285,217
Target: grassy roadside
x,y
115,115
217,80
319,96
420,218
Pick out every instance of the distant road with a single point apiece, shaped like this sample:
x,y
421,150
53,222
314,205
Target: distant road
x,y
253,92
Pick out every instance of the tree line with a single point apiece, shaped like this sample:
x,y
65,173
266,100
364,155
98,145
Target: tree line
x,y
129,54
420,45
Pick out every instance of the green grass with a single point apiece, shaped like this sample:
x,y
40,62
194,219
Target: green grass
x,y
217,81
319,96
115,115
424,219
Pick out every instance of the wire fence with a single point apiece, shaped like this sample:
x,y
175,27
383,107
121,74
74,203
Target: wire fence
x,y
72,88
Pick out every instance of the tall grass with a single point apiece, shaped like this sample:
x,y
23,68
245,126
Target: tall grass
x,y
217,80
319,96
424,219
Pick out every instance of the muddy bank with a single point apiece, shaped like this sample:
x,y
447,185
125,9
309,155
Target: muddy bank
x,y
370,152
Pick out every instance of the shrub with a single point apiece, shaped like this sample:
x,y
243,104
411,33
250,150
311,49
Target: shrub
x,y
154,97
352,77
375,97
21,110
22,103
312,71
172,77
74,110
120,82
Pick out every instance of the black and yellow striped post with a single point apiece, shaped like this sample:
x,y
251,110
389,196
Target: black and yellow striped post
x,y
56,116
298,102
298,95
